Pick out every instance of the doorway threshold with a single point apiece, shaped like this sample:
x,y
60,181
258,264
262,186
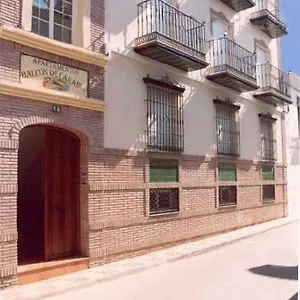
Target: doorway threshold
x,y
45,270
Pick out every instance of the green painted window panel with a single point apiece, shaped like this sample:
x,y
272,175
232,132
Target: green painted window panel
x,y
163,171
268,173
227,172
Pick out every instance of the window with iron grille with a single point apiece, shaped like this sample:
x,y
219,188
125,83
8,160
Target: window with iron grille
x,y
164,200
164,116
228,128
268,137
268,192
227,195
268,173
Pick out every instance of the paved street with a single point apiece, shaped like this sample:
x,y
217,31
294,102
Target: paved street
x,y
263,267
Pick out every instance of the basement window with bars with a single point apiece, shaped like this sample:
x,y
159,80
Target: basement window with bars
x,y
268,137
163,200
227,128
165,130
269,192
227,196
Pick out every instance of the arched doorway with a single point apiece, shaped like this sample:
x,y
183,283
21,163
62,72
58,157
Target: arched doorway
x,y
48,194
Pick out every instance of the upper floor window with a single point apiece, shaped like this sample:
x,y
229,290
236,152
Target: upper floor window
x,y
164,115
53,19
228,128
268,137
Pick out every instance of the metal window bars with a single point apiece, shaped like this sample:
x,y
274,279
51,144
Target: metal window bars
x,y
228,130
270,76
224,53
227,195
165,131
164,200
268,139
157,16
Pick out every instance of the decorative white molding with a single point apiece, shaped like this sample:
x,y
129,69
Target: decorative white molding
x,y
36,41
43,95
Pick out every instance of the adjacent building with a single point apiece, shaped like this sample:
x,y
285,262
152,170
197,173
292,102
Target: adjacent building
x,y
134,126
293,148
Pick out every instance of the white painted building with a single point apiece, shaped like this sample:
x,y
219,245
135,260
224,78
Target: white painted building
x,y
293,148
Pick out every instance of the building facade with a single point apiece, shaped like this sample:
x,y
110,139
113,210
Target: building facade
x,y
189,141
293,148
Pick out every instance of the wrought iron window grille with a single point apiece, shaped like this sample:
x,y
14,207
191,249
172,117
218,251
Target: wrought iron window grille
x,y
227,128
164,200
268,136
165,128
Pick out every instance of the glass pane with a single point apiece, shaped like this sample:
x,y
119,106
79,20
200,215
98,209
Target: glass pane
x,y
44,28
58,5
58,18
35,25
35,10
67,21
44,4
67,8
57,33
44,14
67,36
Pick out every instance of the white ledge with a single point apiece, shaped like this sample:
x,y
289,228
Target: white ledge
x,y
56,97
36,41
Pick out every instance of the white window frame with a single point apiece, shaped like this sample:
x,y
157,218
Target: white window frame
x,y
27,18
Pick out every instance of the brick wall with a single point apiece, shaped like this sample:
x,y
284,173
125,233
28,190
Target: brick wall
x,y
120,223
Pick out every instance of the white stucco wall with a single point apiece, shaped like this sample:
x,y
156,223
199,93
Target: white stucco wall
x,y
125,118
293,152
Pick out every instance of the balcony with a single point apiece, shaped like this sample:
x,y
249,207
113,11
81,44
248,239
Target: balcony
x,y
231,65
239,5
274,85
168,35
267,18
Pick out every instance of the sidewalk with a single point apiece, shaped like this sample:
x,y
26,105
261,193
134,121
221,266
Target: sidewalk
x,y
60,285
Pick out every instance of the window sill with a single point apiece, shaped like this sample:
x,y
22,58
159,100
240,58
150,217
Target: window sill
x,y
50,96
171,213
266,201
227,206
32,40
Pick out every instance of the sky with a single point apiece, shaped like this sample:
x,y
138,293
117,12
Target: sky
x,y
290,44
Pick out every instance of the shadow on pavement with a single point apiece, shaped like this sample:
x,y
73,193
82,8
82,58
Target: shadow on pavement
x,y
281,272
295,297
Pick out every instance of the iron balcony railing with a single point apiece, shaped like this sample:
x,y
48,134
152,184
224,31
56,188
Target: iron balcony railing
x,y
269,5
156,16
224,54
269,76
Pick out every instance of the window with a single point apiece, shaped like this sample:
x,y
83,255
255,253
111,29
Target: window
x,y
164,116
268,140
227,195
163,170
268,173
228,128
53,19
269,192
227,172
163,200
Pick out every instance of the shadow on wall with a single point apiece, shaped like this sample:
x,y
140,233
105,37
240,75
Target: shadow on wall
x,y
295,152
295,297
281,272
